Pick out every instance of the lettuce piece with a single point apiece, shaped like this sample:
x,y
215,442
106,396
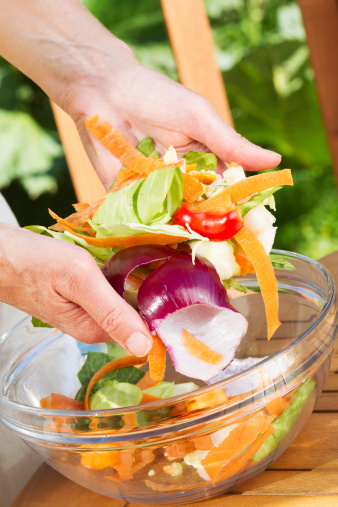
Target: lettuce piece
x,y
206,161
94,361
38,323
278,262
116,395
146,147
257,199
231,282
185,388
160,196
115,351
123,230
283,424
119,207
161,390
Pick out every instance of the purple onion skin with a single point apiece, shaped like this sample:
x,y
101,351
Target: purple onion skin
x,y
117,269
179,283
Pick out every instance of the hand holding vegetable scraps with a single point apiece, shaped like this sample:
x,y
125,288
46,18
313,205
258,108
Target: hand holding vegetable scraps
x,y
87,71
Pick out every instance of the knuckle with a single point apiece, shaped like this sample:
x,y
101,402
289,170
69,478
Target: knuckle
x,y
113,321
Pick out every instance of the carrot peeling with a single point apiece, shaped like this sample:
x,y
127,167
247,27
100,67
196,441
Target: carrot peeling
x,y
199,349
116,364
157,359
146,382
265,275
60,402
193,189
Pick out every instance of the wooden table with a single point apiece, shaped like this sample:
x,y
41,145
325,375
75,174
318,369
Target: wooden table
x,y
305,475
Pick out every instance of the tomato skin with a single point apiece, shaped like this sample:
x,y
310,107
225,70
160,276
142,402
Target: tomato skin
x,y
210,225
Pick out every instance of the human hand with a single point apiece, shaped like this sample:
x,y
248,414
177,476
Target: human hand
x,y
61,284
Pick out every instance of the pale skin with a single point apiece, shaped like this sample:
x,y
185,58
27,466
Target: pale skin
x,y
87,71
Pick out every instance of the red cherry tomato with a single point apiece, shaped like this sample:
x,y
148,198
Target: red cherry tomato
x,y
210,225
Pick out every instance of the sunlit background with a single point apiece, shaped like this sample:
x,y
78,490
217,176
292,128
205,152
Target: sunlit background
x,y
262,53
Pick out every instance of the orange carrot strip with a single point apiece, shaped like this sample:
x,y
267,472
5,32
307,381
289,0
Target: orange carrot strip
x,y
148,398
245,265
146,382
205,178
242,461
252,185
80,206
116,364
193,189
235,443
80,217
130,419
98,460
147,165
45,402
179,449
265,275
60,402
203,443
118,184
190,167
112,139
124,242
157,359
199,349
212,206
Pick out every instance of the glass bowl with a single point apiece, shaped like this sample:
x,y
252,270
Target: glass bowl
x,y
193,446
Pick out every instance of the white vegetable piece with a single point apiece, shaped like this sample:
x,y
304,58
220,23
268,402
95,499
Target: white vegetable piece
x,y
233,174
170,156
220,254
260,222
221,329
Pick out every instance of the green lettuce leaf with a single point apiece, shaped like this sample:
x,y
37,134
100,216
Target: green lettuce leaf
x,y
279,262
38,323
116,395
123,230
149,201
186,387
94,361
161,390
146,147
160,196
119,207
115,351
207,161
231,282
257,199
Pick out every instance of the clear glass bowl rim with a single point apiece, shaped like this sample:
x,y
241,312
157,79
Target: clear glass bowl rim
x,y
223,383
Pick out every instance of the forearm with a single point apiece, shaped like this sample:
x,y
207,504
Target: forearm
x,y
56,44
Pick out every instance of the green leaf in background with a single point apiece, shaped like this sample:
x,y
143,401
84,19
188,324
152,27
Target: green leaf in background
x,y
279,262
160,196
257,199
116,395
27,152
206,161
232,283
38,323
94,361
115,351
146,147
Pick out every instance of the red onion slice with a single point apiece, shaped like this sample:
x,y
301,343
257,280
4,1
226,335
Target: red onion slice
x,y
117,269
181,295
220,328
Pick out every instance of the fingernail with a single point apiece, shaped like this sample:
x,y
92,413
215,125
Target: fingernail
x,y
138,344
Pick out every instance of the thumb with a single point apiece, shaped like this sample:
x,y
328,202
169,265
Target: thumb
x,y
227,144
116,317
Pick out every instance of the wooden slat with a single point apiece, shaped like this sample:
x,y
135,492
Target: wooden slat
x,y
315,446
331,383
48,488
88,187
321,24
328,402
235,500
191,39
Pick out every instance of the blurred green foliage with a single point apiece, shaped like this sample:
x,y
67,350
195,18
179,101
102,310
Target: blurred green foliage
x,y
262,53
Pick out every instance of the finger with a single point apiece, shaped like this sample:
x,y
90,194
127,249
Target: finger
x,y
226,143
116,317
